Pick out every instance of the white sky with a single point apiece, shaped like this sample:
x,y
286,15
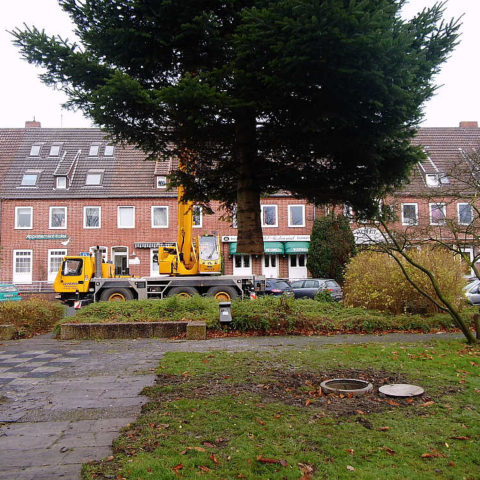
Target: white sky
x,y
23,96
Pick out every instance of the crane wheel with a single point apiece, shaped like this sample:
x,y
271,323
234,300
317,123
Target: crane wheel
x,y
183,292
222,294
116,295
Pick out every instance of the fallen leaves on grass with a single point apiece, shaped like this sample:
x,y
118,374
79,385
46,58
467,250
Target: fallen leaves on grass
x,y
383,429
388,450
197,449
461,438
350,468
262,459
426,404
433,454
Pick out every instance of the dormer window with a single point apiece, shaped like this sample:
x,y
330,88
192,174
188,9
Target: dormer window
x,y
61,183
35,151
94,177
55,150
161,181
93,152
432,180
29,179
109,150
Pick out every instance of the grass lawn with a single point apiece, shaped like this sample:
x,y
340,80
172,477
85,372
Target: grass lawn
x,y
254,415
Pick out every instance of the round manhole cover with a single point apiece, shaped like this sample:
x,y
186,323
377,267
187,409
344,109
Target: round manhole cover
x,y
401,390
347,386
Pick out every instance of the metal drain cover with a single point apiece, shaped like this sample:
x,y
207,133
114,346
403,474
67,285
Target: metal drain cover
x,y
401,390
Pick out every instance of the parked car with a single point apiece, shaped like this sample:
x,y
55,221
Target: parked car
x,y
472,292
278,287
309,287
9,292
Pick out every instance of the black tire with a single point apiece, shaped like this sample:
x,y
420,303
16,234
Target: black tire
x,y
222,294
116,295
184,292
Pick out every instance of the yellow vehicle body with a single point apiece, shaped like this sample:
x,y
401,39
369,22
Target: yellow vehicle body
x,y
76,273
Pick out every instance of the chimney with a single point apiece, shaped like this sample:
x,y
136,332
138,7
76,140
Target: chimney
x,y
32,124
468,125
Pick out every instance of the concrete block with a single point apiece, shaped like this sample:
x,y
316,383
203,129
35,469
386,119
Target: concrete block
x,y
74,331
196,330
168,329
7,332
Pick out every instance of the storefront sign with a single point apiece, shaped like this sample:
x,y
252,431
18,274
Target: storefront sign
x,y
272,238
55,236
368,236
153,244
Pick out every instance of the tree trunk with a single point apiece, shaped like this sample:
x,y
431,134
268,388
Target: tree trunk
x,y
250,236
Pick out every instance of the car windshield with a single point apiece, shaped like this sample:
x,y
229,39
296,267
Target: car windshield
x,y
281,284
208,248
297,284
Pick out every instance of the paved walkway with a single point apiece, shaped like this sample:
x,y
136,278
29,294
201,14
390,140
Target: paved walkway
x,y
63,402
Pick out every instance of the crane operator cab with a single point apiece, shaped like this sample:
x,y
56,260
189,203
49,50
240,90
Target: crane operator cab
x,y
209,254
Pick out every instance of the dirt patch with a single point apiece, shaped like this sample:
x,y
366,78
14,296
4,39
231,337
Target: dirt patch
x,y
298,388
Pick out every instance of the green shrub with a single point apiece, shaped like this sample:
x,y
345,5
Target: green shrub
x,y
264,315
32,316
324,296
375,281
331,246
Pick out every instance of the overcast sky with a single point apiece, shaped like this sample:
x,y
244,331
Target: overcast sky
x,y
24,97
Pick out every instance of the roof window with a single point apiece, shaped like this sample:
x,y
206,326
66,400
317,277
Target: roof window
x,y
35,150
61,183
94,177
55,150
29,179
93,152
161,181
108,150
432,180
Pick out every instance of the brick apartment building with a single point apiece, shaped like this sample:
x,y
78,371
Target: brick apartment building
x,y
65,191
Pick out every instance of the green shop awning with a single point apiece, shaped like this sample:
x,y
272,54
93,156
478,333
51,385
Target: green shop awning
x,y
296,247
273,247
269,247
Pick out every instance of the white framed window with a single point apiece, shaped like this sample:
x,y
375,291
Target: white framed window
x,y
93,152
55,150
58,218
242,265
22,266
409,214
432,180
55,258
109,149
161,181
24,218
35,150
94,177
269,215
61,183
126,217
234,217
159,217
438,213
197,216
120,259
29,179
465,213
348,212
92,217
103,250
296,215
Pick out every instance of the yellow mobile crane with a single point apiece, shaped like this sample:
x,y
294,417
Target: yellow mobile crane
x,y
187,267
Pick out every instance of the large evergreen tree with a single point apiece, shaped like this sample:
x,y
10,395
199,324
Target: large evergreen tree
x,y
332,244
316,97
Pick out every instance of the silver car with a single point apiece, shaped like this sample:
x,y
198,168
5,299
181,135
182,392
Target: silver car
x,y
472,292
310,286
